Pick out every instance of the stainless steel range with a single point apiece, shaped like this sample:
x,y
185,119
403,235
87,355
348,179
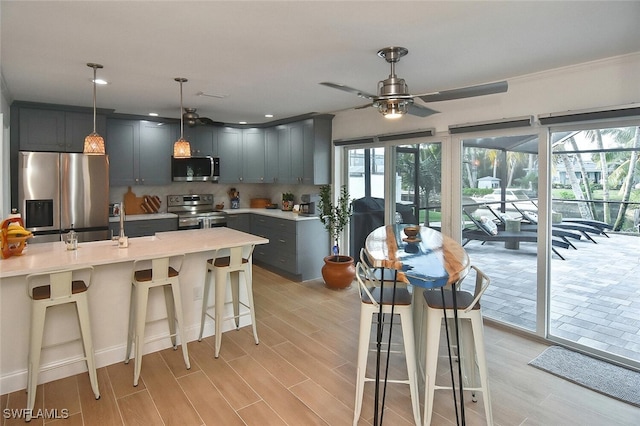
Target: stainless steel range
x,y
195,211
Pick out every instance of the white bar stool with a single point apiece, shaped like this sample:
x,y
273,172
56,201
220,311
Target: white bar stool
x,y
162,275
371,298
472,342
218,269
65,286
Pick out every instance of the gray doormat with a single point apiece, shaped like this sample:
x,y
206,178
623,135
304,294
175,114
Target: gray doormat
x,y
608,379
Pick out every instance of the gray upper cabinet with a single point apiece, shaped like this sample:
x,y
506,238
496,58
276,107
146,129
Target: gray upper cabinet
x,y
317,150
54,130
203,140
304,151
253,156
140,152
271,155
156,148
241,153
230,153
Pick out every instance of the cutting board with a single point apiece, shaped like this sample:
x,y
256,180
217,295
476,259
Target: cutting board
x,y
132,203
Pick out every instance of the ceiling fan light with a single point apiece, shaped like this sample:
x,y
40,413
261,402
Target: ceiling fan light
x,y
94,144
181,148
393,108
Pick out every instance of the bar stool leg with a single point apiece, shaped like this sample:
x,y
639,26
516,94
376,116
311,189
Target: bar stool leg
x,y
363,350
85,329
234,279
220,295
248,277
410,357
142,295
38,313
170,303
434,323
132,318
205,300
478,337
177,302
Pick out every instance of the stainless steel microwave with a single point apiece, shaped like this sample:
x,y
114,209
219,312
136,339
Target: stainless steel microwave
x,y
195,169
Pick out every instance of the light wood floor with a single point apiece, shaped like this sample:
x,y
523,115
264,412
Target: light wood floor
x,y
303,373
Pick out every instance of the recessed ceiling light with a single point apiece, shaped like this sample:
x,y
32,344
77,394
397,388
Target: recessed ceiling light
x,y
268,115
242,122
153,114
100,81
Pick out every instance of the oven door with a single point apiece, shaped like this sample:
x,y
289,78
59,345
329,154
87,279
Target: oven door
x,y
188,222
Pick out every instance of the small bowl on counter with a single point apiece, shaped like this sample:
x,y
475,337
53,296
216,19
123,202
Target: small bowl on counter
x,y
411,231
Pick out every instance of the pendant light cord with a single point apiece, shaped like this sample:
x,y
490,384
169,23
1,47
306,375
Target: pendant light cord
x,y
181,115
94,98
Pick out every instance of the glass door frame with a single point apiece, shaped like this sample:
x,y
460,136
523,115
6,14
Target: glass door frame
x,y
544,224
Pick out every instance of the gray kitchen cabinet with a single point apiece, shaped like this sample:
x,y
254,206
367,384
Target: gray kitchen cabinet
x,y
296,248
156,149
144,227
271,157
230,153
253,156
304,151
296,149
316,156
139,152
239,221
55,130
203,140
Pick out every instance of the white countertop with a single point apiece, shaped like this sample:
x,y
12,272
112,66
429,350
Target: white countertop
x,y
151,216
50,256
272,213
288,215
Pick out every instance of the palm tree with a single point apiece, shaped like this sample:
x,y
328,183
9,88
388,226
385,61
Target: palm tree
x,y
628,181
585,212
596,136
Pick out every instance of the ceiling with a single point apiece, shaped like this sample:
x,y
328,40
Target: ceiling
x,y
268,57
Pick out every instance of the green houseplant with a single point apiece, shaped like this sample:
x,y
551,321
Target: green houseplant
x,y
338,270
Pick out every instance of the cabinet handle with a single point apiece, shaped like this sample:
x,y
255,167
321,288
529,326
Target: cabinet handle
x,y
282,241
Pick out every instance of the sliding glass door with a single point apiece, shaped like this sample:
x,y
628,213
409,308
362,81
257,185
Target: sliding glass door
x,y
499,190
595,193
414,188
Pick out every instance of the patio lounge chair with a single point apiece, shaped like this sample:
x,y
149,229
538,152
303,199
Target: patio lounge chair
x,y
584,229
527,226
481,233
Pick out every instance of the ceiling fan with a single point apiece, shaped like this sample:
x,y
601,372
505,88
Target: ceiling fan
x,y
394,100
192,118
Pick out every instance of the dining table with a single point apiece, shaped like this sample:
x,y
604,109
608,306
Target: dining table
x,y
429,260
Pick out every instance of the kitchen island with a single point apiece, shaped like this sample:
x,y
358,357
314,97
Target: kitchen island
x,y
109,296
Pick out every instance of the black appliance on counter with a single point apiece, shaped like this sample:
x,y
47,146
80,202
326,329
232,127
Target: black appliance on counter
x,y
195,211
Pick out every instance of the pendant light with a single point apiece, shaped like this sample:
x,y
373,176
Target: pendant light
x,y
94,143
181,147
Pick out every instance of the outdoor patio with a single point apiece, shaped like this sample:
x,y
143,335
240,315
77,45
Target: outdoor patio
x,y
595,292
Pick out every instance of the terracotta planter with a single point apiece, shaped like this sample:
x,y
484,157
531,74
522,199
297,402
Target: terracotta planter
x,y
338,273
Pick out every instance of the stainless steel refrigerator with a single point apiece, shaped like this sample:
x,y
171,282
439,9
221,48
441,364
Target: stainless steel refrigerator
x,y
59,192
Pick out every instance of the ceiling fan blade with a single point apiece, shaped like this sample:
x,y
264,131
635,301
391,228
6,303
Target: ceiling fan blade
x,y
466,92
363,106
209,122
420,111
348,89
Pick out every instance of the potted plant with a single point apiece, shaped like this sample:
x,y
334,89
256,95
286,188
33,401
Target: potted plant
x,y
287,201
338,270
